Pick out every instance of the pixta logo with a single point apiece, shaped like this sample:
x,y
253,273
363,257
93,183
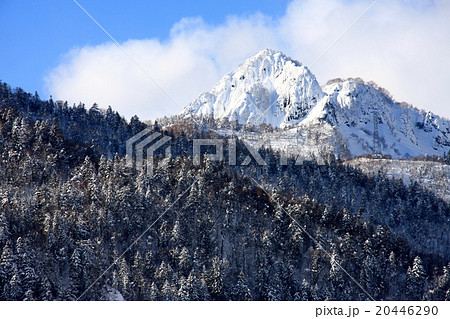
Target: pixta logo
x,y
146,140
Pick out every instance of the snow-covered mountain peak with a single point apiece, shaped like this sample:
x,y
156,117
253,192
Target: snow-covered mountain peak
x,y
269,59
272,88
268,87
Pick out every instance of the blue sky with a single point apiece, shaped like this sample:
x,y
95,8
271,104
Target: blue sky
x,y
53,47
36,33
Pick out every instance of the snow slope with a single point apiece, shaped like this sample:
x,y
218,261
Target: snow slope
x,y
267,88
403,131
339,118
432,176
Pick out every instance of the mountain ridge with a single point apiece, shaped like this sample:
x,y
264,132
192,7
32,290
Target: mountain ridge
x,y
271,88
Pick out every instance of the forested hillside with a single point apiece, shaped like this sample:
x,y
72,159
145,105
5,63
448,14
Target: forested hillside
x,y
70,208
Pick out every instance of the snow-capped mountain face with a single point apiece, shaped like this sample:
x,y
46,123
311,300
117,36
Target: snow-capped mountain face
x,y
267,88
340,117
353,107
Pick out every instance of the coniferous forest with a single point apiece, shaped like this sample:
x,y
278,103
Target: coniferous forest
x,y
76,223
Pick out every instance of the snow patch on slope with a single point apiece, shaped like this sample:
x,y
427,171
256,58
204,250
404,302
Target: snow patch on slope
x,y
433,176
113,295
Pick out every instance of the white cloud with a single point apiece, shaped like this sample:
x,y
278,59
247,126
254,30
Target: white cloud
x,y
402,45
